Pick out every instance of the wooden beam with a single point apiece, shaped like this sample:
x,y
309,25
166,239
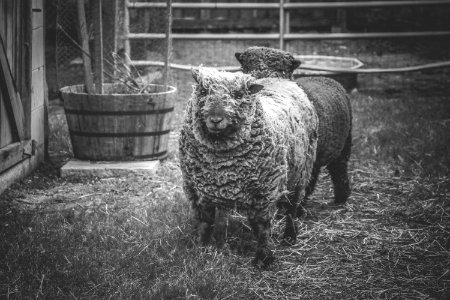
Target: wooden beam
x,y
82,26
98,46
118,28
126,28
281,24
13,154
20,170
11,97
28,47
168,44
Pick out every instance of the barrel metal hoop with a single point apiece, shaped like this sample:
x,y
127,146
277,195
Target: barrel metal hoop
x,y
118,134
159,154
118,113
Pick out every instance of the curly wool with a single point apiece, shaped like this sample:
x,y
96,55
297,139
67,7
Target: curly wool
x,y
264,62
334,112
270,154
330,101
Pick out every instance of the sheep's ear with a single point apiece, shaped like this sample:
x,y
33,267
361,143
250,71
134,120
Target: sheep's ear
x,y
238,56
296,64
255,88
195,75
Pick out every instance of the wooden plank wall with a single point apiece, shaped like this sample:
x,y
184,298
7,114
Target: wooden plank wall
x,y
5,127
26,58
14,30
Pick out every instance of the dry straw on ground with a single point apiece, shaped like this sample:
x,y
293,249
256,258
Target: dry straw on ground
x,y
133,237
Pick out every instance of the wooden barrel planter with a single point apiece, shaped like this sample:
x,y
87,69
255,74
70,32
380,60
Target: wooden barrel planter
x,y
116,126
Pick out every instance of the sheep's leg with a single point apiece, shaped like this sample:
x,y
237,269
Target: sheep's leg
x,y
205,217
309,189
220,227
261,228
312,181
339,175
290,230
203,214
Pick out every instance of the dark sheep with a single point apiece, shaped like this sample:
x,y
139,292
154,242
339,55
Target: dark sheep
x,y
333,109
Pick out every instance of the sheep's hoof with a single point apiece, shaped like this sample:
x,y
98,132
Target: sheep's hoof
x,y
301,212
204,233
220,235
289,236
337,203
340,198
289,240
264,258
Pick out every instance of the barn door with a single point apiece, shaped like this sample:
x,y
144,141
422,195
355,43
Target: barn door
x,y
15,41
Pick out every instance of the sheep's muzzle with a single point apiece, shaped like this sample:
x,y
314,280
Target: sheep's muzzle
x,y
217,121
218,126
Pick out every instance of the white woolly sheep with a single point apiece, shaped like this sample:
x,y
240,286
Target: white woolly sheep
x,y
249,145
332,106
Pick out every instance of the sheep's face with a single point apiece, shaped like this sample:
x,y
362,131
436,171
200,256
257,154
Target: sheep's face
x,y
220,113
224,103
263,62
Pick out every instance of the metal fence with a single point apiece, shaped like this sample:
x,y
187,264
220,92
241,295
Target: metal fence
x,y
284,35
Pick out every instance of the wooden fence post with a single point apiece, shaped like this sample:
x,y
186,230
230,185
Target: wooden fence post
x,y
168,43
126,28
98,46
82,25
282,24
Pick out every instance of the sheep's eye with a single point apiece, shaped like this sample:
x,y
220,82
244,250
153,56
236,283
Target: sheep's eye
x,y
203,92
238,94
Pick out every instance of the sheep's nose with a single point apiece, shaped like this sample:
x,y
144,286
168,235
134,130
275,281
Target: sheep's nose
x,y
216,119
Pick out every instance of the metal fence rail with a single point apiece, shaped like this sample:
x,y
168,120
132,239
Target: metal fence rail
x,y
444,64
287,5
287,36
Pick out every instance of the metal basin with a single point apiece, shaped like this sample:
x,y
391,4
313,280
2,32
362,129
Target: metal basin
x,y
348,80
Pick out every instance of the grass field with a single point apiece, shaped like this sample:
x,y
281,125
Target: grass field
x,y
133,237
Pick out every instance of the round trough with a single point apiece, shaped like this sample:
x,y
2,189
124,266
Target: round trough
x,y
348,80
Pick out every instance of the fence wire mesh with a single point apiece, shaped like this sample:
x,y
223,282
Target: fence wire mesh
x,y
150,20
68,56
68,53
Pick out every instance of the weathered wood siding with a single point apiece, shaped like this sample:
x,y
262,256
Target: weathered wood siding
x,y
22,32
12,33
5,127
38,75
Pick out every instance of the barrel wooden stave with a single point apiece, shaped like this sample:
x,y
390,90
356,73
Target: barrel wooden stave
x,y
117,126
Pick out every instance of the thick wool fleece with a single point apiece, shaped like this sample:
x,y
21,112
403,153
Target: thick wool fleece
x,y
264,156
334,112
264,62
331,103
